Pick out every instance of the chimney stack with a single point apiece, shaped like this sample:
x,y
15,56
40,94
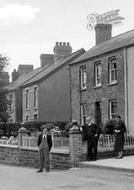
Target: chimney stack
x,y
46,59
103,32
24,69
15,75
61,50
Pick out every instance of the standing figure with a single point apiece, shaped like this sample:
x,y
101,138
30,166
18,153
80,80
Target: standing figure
x,y
44,143
119,131
91,135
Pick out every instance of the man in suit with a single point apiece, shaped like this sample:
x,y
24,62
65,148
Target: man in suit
x,y
91,135
44,143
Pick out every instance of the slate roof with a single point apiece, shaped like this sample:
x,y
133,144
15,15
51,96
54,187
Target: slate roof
x,y
22,79
49,70
117,42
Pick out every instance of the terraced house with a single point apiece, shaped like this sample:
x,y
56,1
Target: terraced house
x,y
102,79
46,96
14,95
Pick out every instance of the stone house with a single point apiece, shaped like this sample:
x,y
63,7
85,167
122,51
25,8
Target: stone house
x,y
102,79
46,96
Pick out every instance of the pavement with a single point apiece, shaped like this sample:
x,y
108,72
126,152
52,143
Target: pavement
x,y
82,178
126,163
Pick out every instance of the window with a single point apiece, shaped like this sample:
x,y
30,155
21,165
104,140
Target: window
x,y
83,77
27,118
27,99
112,70
83,113
35,117
35,97
113,108
10,102
98,68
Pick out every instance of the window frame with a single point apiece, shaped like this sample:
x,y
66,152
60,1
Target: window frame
x,y
10,102
110,108
27,117
83,116
27,99
97,77
110,70
83,77
35,96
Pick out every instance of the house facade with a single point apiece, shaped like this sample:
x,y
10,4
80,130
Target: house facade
x,y
14,94
102,80
46,97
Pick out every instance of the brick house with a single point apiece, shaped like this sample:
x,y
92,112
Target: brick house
x,y
46,96
102,79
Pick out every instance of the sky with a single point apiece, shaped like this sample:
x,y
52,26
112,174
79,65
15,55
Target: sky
x,y
29,28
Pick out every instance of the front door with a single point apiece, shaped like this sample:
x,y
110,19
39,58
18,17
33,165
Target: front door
x,y
98,113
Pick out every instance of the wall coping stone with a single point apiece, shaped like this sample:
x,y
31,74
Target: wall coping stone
x,y
9,146
29,148
60,151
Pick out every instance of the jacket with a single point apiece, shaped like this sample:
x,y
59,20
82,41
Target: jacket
x,y
49,140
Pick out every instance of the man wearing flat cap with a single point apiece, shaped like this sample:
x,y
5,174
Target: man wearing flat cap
x,y
44,143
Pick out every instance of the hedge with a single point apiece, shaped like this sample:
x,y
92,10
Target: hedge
x,y
9,129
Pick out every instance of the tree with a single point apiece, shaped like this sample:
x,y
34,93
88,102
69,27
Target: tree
x,y
4,62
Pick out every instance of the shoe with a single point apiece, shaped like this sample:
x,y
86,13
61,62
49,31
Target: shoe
x,y
47,170
39,171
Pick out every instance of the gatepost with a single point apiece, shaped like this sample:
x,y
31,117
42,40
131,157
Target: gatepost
x,y
75,144
22,132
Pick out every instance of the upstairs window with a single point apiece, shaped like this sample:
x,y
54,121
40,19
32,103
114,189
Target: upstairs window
x,y
98,70
113,108
83,77
35,97
27,99
112,70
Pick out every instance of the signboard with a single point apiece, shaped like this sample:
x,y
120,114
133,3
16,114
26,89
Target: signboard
x,y
111,17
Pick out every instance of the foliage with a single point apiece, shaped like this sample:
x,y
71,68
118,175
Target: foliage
x,y
109,127
8,129
4,61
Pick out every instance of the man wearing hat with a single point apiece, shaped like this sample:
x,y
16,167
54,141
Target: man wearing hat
x,y
91,135
44,143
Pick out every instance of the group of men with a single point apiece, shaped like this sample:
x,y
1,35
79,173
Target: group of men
x,y
90,134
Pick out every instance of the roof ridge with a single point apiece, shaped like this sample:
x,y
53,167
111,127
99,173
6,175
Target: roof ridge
x,y
53,67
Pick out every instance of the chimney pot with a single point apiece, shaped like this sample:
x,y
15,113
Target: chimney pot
x,y
64,49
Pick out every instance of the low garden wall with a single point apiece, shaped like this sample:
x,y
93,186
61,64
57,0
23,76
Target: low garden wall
x,y
69,155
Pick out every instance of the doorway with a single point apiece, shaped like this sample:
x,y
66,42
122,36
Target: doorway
x,y
98,113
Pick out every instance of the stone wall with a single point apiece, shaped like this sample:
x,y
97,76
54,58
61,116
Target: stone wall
x,y
11,154
93,94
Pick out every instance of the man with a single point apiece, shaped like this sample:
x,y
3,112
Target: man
x,y
44,144
119,130
91,135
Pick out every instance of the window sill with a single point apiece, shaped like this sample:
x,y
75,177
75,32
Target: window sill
x,y
84,89
27,109
112,84
35,108
96,87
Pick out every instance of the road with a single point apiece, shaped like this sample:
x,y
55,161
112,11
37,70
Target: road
x,y
22,178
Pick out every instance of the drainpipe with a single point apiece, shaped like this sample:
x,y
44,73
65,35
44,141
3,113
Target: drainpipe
x,y
69,70
126,89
